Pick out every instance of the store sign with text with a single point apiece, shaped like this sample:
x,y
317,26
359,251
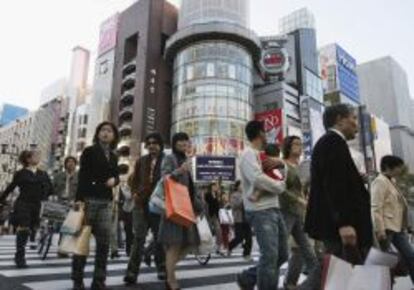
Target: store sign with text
x,y
212,168
273,125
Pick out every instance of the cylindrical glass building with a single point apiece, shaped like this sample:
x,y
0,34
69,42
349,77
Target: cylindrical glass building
x,y
213,54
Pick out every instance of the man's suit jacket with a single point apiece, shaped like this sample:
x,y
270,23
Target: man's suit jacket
x,y
95,169
338,196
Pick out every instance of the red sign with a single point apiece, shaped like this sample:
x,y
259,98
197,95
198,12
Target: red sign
x,y
273,125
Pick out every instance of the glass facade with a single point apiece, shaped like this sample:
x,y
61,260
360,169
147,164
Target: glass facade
x,y
212,98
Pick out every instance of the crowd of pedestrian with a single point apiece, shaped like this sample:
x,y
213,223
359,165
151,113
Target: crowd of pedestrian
x,y
289,216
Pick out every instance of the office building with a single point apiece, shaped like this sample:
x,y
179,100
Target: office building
x,y
385,92
142,79
10,113
339,76
213,55
301,18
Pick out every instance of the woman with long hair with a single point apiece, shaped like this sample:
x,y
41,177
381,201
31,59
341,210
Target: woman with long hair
x,y
176,239
293,205
98,175
35,186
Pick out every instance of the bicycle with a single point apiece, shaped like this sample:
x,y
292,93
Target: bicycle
x,y
53,214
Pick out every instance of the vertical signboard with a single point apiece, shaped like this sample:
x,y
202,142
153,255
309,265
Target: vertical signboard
x,y
108,34
347,76
212,168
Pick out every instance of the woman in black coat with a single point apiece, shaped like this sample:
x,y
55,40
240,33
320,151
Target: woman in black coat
x,y
98,175
35,186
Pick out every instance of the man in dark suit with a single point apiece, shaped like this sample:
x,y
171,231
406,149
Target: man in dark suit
x,y
339,210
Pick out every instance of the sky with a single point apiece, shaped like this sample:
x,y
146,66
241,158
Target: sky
x,y
37,36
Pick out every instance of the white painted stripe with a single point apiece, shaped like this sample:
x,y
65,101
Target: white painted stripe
x,y
54,262
143,278
111,267
228,286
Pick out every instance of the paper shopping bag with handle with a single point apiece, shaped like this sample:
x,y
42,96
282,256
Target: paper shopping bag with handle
x,y
178,205
82,241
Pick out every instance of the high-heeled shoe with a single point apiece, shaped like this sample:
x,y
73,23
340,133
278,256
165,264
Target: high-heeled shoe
x,y
168,287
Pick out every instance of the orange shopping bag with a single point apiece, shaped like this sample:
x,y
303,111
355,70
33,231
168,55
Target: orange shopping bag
x,y
178,207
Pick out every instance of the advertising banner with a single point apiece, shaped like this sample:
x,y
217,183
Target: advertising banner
x,y
108,34
347,76
273,124
211,168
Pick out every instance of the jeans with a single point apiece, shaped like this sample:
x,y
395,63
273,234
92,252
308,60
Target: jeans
x,y
142,222
272,239
303,253
402,244
98,215
243,233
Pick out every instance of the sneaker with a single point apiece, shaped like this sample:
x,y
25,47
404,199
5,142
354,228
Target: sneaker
x,y
242,283
248,258
129,280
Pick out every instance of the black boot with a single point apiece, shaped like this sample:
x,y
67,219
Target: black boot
x,y
98,285
21,241
78,265
78,285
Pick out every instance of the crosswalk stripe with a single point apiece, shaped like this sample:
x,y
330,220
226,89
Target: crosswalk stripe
x,y
145,278
54,273
52,269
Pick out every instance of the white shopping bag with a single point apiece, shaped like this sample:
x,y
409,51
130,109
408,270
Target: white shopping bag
x,y
369,278
226,216
341,275
206,237
73,222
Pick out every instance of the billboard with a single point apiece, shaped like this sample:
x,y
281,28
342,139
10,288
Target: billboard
x,y
312,123
211,168
273,124
108,34
347,76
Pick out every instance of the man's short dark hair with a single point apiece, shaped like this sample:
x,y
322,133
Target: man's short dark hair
x,y
70,158
157,137
391,162
330,117
272,150
253,129
24,157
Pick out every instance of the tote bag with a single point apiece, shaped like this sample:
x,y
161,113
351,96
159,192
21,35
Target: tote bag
x,y
178,207
82,241
157,200
206,237
226,216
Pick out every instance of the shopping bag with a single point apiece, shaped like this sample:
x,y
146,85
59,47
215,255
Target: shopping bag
x,y
157,200
226,216
335,274
178,205
82,241
73,222
67,244
206,237
368,277
341,275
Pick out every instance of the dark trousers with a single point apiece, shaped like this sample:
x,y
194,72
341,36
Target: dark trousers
x,y
352,254
129,233
142,223
405,249
98,215
242,234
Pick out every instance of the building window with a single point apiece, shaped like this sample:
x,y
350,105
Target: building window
x,y
103,67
